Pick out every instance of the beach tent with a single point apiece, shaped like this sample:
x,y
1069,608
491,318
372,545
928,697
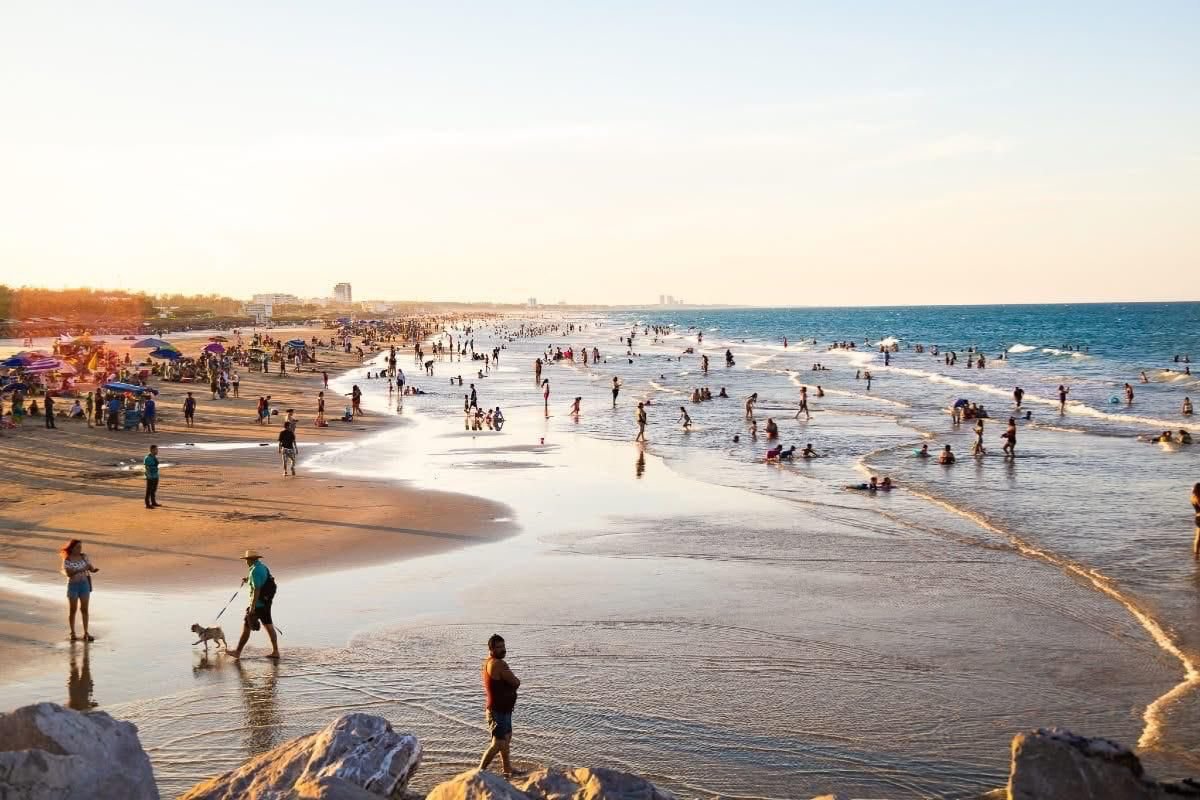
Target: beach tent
x,y
153,344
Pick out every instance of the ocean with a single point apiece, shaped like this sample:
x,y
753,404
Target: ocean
x,y
732,628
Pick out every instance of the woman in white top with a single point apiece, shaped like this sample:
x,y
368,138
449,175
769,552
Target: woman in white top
x,y
78,569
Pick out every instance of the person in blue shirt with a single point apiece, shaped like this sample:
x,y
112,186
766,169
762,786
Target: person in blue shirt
x,y
148,413
114,413
258,609
150,462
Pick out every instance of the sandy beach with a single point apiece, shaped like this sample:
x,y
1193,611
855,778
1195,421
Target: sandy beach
x,y
86,483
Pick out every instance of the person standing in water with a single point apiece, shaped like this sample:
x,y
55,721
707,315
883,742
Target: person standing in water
x,y
804,403
641,422
750,401
1018,396
685,419
258,610
500,692
1128,395
78,569
1196,512
978,449
1010,438
616,390
575,407
1063,391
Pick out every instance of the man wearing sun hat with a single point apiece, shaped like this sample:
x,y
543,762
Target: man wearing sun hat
x,y
262,596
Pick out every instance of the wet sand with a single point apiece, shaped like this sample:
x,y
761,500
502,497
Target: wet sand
x,y
86,483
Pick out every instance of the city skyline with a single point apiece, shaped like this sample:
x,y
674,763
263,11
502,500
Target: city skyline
x,y
774,155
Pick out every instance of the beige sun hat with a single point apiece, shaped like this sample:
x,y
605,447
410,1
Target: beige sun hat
x,y
251,554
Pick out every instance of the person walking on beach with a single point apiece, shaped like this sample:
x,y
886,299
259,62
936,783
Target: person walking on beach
x,y
616,390
258,609
235,381
803,403
750,401
288,449
1010,438
189,410
546,395
320,408
500,699
641,422
150,463
78,569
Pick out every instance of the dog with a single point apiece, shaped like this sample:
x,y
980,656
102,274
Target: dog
x,y
209,635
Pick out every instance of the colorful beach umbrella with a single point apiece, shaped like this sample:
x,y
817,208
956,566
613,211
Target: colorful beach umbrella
x,y
215,347
13,387
153,344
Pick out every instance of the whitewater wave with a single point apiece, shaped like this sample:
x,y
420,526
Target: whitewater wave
x,y
1021,348
1054,351
888,342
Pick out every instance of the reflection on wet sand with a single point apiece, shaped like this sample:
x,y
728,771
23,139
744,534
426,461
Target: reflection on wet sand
x,y
79,679
263,720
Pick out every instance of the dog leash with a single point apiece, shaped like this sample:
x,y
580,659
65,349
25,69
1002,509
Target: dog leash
x,y
230,602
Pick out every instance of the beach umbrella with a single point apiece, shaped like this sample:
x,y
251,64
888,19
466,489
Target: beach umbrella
x,y
119,386
44,365
152,344
217,339
13,387
16,361
215,347
170,355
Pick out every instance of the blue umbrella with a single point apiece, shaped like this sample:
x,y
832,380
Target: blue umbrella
x,y
172,355
118,386
11,387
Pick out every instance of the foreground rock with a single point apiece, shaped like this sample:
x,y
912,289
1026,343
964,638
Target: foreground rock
x,y
356,757
47,751
549,784
1055,763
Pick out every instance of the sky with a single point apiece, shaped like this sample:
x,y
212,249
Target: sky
x,y
759,153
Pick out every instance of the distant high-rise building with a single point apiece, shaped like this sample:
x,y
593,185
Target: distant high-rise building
x,y
662,299
341,293
670,300
533,302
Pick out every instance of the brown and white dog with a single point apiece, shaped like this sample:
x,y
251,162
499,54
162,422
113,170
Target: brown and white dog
x,y
209,635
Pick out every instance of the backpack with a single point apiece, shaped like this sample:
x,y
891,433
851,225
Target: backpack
x,y
267,593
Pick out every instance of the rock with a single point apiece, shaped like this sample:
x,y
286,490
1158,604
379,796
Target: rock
x,y
476,785
47,751
1053,763
356,757
588,784
549,784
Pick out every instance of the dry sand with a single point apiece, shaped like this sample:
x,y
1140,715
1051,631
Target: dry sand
x,y
68,483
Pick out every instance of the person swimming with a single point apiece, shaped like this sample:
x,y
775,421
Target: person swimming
x,y
1184,437
772,428
1186,410
808,452
872,486
773,453
946,457
923,452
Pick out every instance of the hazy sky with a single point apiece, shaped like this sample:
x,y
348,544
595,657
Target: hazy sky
x,y
764,153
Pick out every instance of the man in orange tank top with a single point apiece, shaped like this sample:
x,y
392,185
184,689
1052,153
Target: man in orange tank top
x,y
500,688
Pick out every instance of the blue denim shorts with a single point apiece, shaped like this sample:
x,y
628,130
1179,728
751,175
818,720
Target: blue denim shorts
x,y
499,723
80,589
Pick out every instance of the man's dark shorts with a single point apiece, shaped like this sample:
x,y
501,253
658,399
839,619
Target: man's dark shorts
x,y
499,723
261,614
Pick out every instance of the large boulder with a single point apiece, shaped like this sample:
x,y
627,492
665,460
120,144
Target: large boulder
x,y
549,784
476,785
356,757
49,752
581,783
1055,763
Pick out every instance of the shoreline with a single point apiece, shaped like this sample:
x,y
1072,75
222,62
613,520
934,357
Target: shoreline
x,y
216,503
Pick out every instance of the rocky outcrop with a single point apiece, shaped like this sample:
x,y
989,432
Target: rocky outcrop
x,y
549,784
356,757
47,751
1054,763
